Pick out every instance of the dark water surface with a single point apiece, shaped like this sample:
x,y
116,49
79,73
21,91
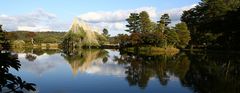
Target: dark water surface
x,y
108,71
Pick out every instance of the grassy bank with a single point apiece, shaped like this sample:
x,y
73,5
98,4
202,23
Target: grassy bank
x,y
169,50
40,46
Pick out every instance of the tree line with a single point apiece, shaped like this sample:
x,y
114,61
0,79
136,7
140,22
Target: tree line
x,y
36,37
144,32
20,39
214,24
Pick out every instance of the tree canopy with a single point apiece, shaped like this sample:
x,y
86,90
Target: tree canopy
x,y
214,23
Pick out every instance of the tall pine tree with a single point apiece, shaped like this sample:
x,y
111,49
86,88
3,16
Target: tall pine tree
x,y
133,23
145,22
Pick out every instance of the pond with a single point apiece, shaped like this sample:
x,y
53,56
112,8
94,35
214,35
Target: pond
x,y
109,71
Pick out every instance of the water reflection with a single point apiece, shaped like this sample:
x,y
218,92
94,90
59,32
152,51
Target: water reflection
x,y
41,64
10,83
187,72
84,58
141,69
214,73
203,73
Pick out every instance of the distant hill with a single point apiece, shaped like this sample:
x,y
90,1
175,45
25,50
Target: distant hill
x,y
39,37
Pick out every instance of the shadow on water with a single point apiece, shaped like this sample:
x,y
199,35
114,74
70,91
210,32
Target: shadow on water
x,y
200,72
213,73
10,83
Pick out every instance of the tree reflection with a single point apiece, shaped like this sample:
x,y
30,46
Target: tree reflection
x,y
140,68
211,73
10,83
82,59
202,72
30,57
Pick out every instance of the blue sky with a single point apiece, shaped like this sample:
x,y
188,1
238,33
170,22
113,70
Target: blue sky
x,y
58,14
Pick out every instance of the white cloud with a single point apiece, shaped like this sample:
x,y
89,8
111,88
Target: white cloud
x,y
38,20
115,20
114,16
176,13
41,20
37,28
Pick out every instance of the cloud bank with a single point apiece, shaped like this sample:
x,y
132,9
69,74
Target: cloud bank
x,y
114,21
38,20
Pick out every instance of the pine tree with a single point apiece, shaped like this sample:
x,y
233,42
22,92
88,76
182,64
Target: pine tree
x,y
105,32
133,23
165,19
145,22
163,23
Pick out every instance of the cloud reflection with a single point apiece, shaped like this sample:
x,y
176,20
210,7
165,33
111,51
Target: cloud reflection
x,y
89,63
42,64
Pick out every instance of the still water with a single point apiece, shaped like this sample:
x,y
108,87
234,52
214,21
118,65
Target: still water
x,y
109,71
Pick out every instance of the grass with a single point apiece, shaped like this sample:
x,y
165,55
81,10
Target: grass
x,y
41,46
168,50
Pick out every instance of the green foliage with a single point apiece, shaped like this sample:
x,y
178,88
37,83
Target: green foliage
x,y
72,40
135,38
105,32
18,44
78,37
40,37
133,23
214,23
145,22
165,19
183,34
122,39
4,42
10,83
144,32
160,27
172,37
154,39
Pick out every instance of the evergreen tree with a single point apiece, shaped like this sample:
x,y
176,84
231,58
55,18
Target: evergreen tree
x,y
105,31
133,23
162,27
214,23
145,22
165,19
163,23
